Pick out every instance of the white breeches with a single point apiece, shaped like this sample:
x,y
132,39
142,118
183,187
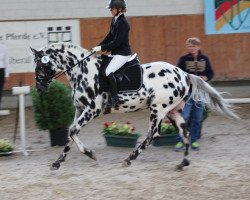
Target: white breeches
x,y
116,63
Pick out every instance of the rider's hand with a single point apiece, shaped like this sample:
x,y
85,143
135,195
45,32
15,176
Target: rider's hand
x,y
204,78
97,48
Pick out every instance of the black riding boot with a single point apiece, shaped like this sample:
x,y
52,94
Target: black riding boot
x,y
113,89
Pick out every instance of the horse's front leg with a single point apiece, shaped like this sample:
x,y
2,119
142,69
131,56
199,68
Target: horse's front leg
x,y
56,165
74,130
154,128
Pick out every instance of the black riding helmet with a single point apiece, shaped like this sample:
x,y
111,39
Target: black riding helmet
x,y
116,4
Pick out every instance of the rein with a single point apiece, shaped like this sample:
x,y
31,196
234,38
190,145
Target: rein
x,y
61,73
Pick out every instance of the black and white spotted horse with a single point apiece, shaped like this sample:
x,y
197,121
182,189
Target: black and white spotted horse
x,y
164,90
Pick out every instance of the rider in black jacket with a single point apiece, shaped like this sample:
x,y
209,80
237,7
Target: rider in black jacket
x,y
116,42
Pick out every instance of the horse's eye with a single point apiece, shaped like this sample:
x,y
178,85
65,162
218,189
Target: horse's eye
x,y
45,59
36,59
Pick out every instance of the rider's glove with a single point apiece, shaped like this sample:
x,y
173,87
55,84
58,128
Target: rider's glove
x,y
97,48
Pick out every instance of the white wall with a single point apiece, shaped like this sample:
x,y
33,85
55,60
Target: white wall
x,y
63,9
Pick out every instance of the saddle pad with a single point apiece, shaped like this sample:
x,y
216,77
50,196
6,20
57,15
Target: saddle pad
x,y
131,81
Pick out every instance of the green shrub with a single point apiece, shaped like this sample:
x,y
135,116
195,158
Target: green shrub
x,y
54,108
5,146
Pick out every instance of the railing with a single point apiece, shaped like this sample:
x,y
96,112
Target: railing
x,y
238,100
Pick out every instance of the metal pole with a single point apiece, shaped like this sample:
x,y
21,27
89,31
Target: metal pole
x,y
21,91
22,124
17,115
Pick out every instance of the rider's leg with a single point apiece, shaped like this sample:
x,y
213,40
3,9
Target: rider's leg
x,y
117,62
113,89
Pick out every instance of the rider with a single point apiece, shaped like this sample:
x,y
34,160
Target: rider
x,y
116,41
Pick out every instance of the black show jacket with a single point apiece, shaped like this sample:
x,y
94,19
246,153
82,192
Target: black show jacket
x,y
117,40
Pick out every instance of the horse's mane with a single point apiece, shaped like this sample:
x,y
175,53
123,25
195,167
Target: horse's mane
x,y
66,44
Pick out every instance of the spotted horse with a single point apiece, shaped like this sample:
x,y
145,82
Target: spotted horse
x,y
164,91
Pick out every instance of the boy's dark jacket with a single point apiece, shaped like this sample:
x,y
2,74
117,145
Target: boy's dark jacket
x,y
199,66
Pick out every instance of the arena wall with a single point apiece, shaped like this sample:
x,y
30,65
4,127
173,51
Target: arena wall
x,y
163,38
77,9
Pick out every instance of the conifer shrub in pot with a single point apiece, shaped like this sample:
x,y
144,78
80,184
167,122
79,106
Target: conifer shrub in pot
x,y
54,111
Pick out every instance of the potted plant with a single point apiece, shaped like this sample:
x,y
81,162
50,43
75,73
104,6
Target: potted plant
x,y
6,147
168,132
54,111
120,134
167,135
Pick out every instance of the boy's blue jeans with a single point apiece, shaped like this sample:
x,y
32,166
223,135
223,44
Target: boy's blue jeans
x,y
193,115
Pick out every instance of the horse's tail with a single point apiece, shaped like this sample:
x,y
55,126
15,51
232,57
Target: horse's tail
x,y
202,91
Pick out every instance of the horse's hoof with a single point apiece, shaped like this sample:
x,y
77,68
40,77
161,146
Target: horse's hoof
x,y
55,166
185,162
92,155
126,163
179,167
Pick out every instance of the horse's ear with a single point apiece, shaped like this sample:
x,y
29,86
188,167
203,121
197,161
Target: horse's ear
x,y
35,52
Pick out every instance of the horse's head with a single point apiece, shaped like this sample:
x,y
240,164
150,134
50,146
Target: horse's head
x,y
45,69
64,57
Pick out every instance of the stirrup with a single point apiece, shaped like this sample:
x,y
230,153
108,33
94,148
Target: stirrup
x,y
114,101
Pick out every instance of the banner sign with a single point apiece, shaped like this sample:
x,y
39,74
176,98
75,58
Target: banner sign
x,y
227,16
20,36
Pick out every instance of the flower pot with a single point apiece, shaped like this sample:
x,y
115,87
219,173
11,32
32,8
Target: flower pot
x,y
58,137
9,153
165,140
121,141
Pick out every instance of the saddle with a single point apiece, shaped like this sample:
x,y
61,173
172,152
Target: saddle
x,y
128,77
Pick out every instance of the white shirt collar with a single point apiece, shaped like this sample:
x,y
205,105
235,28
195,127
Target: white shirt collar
x,y
116,17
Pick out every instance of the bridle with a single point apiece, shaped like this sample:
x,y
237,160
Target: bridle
x,y
46,78
57,75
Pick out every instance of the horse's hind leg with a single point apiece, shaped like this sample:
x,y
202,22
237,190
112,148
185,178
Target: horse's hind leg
x,y
156,117
179,123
